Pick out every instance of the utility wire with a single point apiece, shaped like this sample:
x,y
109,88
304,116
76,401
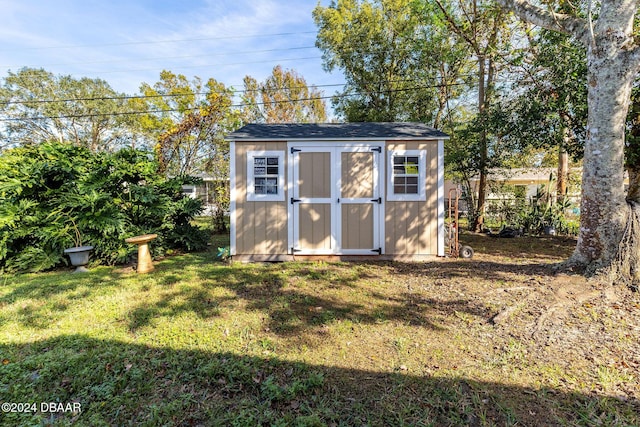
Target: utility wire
x,y
110,61
223,92
164,95
162,41
124,113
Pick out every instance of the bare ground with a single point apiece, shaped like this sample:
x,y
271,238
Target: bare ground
x,y
560,315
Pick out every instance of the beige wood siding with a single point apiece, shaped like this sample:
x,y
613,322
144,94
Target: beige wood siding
x,y
315,175
357,175
411,227
357,226
261,227
315,226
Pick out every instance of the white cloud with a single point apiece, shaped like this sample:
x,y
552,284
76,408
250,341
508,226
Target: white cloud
x,y
128,42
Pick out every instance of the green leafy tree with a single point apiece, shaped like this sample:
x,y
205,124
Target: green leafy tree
x,y
398,66
40,106
186,120
550,107
633,147
284,97
484,29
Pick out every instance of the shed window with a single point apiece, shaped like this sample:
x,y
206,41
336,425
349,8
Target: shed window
x,y
407,175
265,175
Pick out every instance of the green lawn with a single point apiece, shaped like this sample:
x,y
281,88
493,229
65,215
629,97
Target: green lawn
x,y
202,342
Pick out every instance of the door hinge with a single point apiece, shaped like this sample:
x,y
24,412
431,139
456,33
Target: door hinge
x,y
379,200
378,149
295,150
294,200
378,251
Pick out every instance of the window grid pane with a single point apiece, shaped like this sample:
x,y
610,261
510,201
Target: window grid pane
x,y
265,173
405,174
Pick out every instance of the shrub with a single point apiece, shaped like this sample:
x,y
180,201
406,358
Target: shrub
x,y
57,195
540,214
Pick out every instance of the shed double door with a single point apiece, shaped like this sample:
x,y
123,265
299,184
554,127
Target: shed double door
x,y
336,203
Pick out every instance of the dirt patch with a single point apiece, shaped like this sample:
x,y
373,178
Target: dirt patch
x,y
562,318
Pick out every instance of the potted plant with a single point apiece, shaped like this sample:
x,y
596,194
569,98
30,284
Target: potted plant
x,y
79,254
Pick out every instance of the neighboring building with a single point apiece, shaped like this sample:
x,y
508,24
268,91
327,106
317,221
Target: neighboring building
x,y
506,184
528,180
337,190
205,191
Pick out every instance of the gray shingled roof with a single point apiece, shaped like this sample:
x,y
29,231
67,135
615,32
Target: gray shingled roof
x,y
335,131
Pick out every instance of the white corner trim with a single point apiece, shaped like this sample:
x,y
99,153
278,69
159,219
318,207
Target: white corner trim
x,y
290,193
232,198
441,197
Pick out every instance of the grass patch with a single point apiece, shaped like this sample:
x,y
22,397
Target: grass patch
x,y
202,342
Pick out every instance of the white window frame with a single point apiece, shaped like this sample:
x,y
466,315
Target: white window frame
x,y
251,195
422,173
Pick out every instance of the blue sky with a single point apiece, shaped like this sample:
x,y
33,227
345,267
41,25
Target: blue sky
x,y
127,42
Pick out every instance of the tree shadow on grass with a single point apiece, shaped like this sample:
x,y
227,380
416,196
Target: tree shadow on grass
x,y
119,383
42,286
449,270
44,297
296,298
296,306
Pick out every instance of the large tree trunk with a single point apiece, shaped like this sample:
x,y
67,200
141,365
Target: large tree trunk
x,y
610,226
604,210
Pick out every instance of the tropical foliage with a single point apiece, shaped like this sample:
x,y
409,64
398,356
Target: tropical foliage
x,y
57,195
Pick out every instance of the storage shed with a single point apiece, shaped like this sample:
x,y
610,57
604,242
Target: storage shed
x,y
349,190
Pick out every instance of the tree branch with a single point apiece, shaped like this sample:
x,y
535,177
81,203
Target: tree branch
x,y
560,22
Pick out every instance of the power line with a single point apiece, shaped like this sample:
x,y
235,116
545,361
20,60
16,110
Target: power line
x,y
124,113
235,92
165,95
162,41
110,61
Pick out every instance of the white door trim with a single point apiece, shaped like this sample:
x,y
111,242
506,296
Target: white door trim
x,y
378,208
336,175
